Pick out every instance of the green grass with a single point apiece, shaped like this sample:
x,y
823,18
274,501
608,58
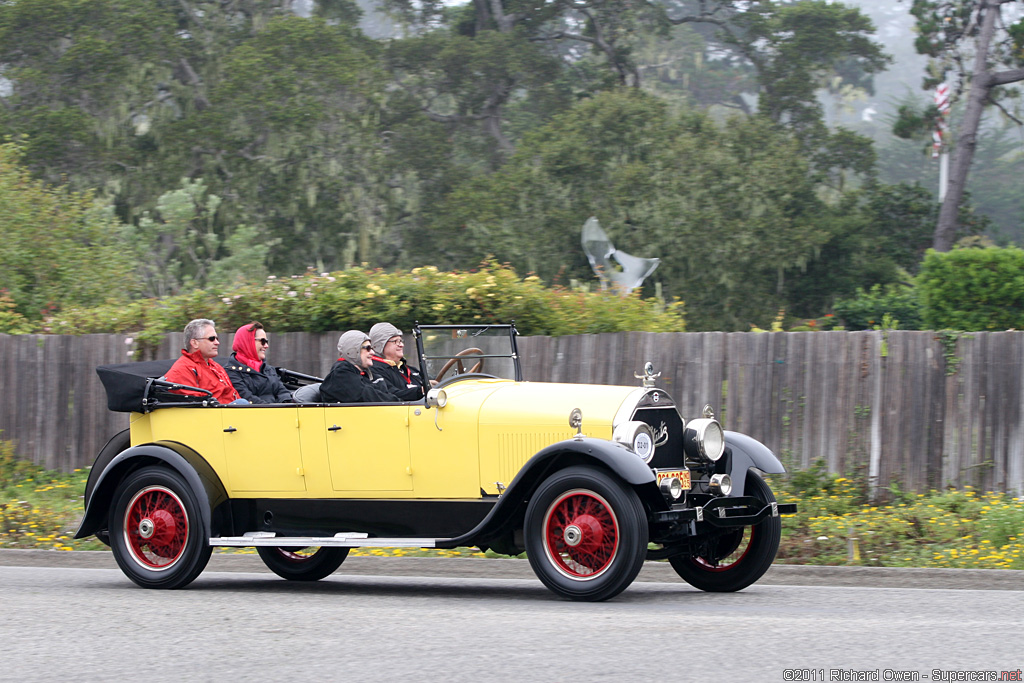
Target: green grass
x,y
835,525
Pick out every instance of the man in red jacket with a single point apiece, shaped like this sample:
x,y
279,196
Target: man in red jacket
x,y
196,367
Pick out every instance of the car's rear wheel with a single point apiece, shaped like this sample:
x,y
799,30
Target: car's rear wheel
x,y
586,534
739,557
302,564
155,531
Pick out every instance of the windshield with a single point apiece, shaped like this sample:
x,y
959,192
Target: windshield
x,y
460,349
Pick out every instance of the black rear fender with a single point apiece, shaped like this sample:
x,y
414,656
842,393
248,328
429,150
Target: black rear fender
x,y
119,442
197,472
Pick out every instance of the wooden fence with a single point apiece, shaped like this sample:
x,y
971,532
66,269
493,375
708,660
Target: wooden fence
x,y
918,408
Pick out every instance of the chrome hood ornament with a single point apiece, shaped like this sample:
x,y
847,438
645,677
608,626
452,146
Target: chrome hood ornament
x,y
648,377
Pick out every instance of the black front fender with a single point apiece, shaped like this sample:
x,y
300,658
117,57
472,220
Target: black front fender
x,y
197,472
747,453
596,452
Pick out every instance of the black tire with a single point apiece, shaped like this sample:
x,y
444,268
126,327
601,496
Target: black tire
x,y
586,534
737,558
291,564
155,529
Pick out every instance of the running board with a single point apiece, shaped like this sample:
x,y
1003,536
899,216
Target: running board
x,y
340,540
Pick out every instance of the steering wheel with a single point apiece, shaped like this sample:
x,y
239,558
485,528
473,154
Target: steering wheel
x,y
458,359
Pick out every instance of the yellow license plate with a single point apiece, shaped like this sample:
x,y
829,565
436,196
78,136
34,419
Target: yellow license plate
x,y
684,477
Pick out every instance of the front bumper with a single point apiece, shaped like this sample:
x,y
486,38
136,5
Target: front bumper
x,y
725,512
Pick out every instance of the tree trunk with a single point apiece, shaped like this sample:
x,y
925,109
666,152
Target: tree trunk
x,y
967,136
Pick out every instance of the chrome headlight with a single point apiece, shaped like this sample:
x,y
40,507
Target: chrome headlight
x,y
704,439
638,437
720,484
672,488
437,398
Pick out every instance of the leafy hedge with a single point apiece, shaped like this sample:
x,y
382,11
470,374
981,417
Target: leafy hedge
x,y
357,298
972,289
867,309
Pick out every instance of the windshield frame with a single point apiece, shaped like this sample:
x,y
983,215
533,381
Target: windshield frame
x,y
468,331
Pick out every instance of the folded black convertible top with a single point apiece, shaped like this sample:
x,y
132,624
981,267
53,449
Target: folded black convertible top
x,y
127,383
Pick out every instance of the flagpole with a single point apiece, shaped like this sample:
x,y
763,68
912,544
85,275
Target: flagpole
x,y
939,147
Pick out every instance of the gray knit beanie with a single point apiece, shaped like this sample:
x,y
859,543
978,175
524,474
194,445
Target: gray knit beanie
x,y
348,346
379,335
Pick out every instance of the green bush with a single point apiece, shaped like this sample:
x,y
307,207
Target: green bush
x,y
972,289
866,310
357,298
11,322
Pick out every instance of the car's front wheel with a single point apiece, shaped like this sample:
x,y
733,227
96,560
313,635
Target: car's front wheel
x,y
302,564
737,558
155,531
586,534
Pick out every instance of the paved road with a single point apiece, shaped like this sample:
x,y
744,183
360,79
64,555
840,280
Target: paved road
x,y
473,620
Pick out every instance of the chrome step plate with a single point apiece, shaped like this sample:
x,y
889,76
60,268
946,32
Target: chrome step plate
x,y
340,540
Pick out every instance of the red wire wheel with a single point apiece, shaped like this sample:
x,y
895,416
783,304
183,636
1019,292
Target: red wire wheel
x,y
581,533
586,534
157,533
156,528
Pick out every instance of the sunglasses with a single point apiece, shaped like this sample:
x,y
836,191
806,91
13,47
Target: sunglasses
x,y
213,338
263,341
366,347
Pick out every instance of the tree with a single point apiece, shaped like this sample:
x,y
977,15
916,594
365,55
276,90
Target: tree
x,y
85,77
293,141
730,210
59,248
794,48
949,32
180,249
267,108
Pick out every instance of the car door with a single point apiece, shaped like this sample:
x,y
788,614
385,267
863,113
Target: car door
x,y
261,446
368,447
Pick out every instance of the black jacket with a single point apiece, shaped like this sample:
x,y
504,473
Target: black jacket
x,y
346,383
263,386
403,380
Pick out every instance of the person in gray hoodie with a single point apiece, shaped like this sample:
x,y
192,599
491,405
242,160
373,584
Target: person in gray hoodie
x,y
403,380
351,379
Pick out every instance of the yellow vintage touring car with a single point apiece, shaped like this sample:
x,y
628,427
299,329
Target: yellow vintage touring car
x,y
588,480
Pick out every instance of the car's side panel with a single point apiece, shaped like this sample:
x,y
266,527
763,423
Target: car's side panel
x,y
520,419
316,467
262,449
202,427
368,449
445,449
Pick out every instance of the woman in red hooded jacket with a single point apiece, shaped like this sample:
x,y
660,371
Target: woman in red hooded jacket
x,y
254,378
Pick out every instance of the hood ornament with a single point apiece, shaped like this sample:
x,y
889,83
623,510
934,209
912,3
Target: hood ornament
x,y
576,422
648,377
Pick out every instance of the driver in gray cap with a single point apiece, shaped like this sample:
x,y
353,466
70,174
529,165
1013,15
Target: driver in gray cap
x,y
403,380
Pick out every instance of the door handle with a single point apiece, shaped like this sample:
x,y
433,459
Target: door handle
x,y
334,428
230,429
